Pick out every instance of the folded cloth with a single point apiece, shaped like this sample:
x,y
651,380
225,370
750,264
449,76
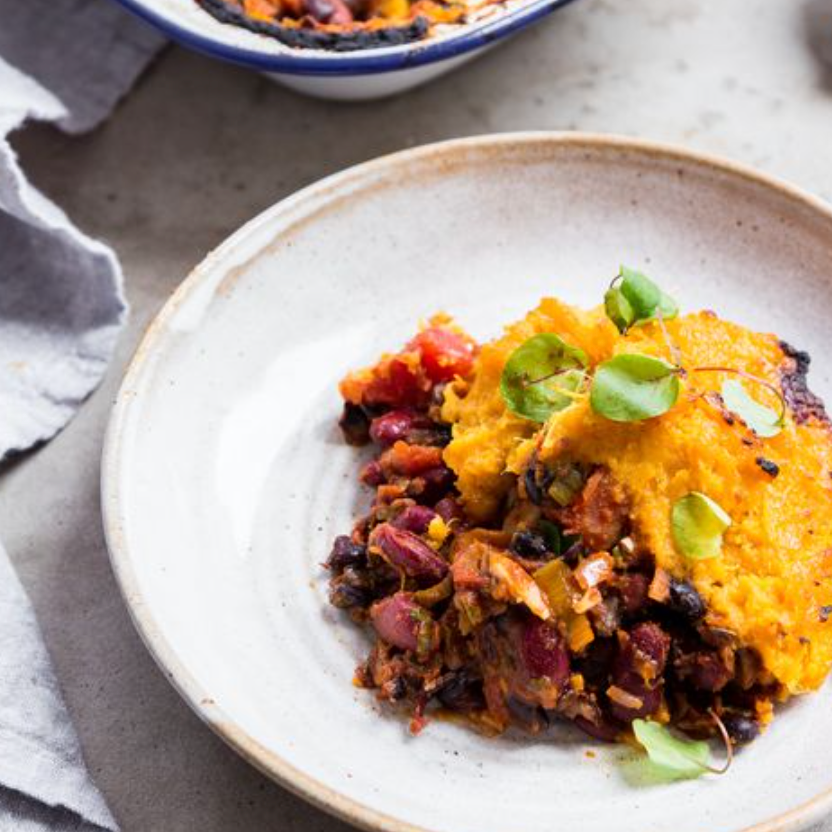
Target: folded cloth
x,y
45,784
61,310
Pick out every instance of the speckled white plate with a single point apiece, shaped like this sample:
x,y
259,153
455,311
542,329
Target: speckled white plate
x,y
225,478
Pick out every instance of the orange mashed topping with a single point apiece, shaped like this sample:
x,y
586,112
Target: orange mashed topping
x,y
774,573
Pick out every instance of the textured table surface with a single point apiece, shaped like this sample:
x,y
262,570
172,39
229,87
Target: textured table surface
x,y
201,147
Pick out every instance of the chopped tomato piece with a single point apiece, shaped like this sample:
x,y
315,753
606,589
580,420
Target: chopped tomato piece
x,y
445,354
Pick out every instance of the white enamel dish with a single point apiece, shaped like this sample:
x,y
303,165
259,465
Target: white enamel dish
x,y
348,76
225,480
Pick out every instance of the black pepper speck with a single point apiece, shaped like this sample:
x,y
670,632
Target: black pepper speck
x,y
771,468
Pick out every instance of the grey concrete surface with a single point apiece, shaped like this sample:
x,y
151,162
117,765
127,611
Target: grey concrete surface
x,y
199,148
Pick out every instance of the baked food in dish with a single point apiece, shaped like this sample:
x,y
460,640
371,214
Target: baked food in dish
x,y
610,517
344,25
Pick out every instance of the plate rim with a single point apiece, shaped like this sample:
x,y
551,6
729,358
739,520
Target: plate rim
x,y
276,57
273,765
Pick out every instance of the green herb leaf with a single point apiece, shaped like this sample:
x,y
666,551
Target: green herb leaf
x,y
761,419
697,524
635,299
644,296
672,756
537,372
618,309
556,541
631,387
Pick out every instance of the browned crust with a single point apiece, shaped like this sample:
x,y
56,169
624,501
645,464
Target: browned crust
x,y
311,38
803,403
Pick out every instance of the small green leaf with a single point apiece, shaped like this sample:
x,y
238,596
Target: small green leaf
x,y
644,296
697,524
635,299
761,419
672,756
631,387
537,372
618,309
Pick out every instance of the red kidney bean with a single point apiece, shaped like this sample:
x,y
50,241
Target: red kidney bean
x,y
633,589
409,553
396,622
329,11
410,427
544,652
650,699
646,642
653,642
393,426
448,509
321,10
372,474
436,483
414,519
342,14
704,671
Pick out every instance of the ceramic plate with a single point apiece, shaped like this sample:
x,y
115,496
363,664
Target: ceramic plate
x,y
225,478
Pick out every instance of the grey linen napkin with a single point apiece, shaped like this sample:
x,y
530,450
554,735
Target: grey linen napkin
x,y
61,309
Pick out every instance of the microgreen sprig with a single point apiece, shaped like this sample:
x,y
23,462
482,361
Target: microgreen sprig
x,y
631,387
545,374
697,524
542,376
634,299
764,421
675,758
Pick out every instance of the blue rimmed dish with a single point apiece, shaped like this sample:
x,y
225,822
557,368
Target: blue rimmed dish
x,y
354,75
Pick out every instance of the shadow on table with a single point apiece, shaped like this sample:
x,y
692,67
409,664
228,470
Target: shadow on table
x,y
818,24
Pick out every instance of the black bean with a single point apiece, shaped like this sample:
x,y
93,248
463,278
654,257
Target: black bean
x,y
398,689
461,692
741,728
596,661
440,434
354,424
345,553
346,595
685,600
529,545
533,490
